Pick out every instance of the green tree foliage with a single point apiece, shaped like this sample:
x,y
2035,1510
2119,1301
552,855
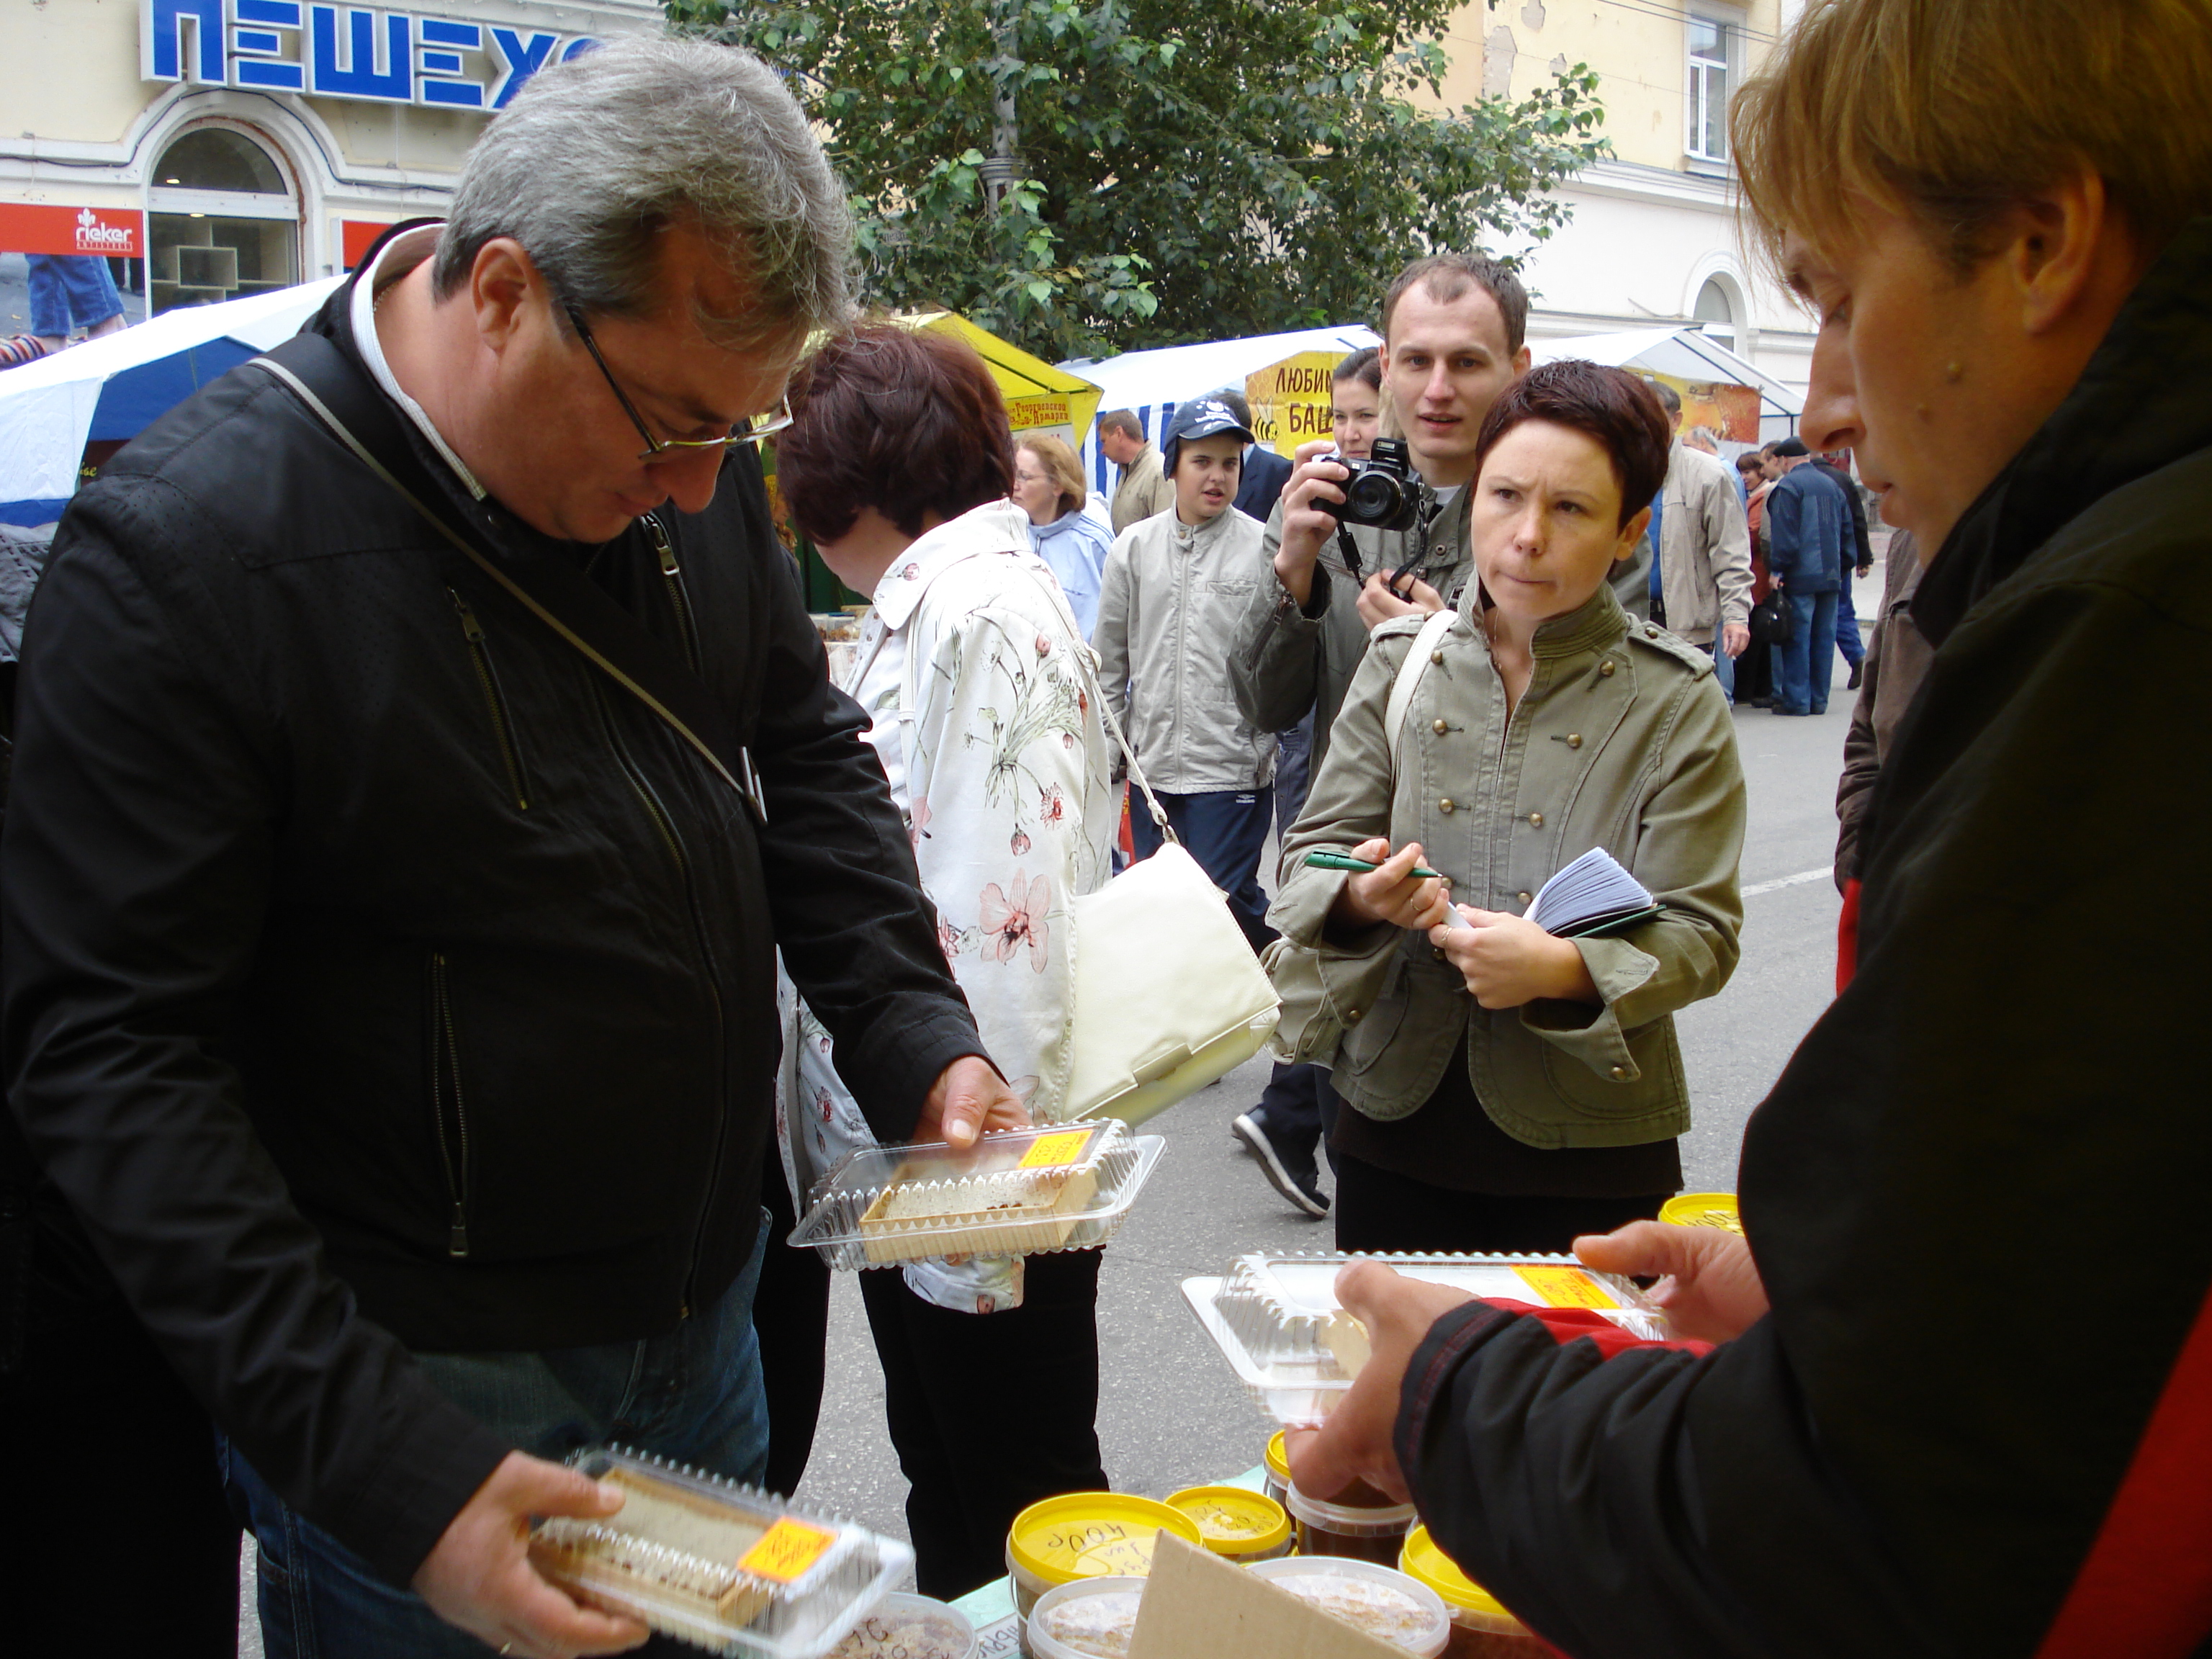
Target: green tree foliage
x,y
1184,171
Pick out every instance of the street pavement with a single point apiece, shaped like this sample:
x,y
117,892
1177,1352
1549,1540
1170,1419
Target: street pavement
x,y
1170,1413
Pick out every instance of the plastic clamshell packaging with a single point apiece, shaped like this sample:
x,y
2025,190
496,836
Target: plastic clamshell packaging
x,y
715,1563
1275,1317
1088,1619
1382,1602
1016,1192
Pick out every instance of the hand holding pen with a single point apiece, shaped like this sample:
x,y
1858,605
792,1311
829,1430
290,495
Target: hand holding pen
x,y
1395,888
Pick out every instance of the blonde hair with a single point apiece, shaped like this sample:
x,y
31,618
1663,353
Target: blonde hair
x,y
1952,111
1060,467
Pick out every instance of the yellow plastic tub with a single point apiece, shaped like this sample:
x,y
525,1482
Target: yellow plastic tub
x,y
1481,1627
1703,1210
1279,1469
1086,1535
1244,1526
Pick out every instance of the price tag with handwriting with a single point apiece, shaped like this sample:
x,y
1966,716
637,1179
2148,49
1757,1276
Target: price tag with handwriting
x,y
786,1551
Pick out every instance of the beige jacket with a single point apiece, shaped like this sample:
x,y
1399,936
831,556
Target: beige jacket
x,y
1143,492
1622,741
1170,606
1705,547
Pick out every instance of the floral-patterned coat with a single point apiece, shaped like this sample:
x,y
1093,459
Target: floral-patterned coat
x,y
983,716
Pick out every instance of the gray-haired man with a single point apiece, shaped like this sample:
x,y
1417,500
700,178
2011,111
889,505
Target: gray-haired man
x,y
392,881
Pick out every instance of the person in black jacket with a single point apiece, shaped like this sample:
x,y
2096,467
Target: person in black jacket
x,y
1928,1413
393,882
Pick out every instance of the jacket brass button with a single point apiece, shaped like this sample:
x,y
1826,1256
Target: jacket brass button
x,y
1445,804
1441,727
1535,820
1523,897
1436,656
1352,1018
1574,739
1605,669
1650,632
1620,1074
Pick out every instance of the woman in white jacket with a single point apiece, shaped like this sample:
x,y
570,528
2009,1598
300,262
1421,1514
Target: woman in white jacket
x,y
973,672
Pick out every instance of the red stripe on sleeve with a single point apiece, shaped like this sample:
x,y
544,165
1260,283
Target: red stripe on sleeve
x,y
1847,936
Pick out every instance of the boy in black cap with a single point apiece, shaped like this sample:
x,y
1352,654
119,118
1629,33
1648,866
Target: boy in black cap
x,y
1177,585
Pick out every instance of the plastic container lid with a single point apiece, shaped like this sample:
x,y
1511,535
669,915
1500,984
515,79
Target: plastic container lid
x,y
1398,1608
1092,1534
1089,1619
1423,1561
903,1626
1279,1461
1232,1520
1351,1520
1703,1210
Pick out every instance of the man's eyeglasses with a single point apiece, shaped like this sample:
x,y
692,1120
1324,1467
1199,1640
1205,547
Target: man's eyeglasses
x,y
748,431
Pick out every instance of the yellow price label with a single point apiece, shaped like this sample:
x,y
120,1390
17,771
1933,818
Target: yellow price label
x,y
1566,1287
1054,1151
786,1551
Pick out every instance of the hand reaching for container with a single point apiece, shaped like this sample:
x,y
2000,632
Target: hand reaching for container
x,y
1709,1283
968,1097
1356,1442
1391,892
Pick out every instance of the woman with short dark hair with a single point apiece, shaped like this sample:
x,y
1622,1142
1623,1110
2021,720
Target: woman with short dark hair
x,y
971,669
1511,1088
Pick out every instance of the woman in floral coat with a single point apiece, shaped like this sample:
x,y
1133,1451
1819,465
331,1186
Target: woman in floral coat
x,y
975,676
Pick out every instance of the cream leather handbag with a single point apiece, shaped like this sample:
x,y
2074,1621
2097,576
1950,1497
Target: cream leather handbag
x,y
1168,994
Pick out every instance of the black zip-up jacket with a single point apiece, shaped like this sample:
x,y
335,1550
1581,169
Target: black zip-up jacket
x,y
381,975
1975,1422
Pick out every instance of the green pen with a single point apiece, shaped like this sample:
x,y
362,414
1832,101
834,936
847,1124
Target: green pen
x,y
1358,866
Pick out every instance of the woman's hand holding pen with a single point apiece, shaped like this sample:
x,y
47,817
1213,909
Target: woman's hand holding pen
x,y
1391,892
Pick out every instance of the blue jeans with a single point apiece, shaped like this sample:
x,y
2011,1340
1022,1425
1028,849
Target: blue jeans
x,y
1804,667
693,1395
1723,667
1293,773
1225,831
71,290
1847,618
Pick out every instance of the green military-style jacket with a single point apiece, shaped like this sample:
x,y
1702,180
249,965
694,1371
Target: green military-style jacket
x,y
1623,741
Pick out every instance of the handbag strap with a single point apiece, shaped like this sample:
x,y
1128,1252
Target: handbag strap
x,y
1088,661
1409,674
558,593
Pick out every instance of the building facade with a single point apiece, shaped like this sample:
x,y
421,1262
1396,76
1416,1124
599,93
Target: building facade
x,y
1653,239
220,148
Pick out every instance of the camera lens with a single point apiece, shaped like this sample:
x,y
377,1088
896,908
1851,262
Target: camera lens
x,y
1372,497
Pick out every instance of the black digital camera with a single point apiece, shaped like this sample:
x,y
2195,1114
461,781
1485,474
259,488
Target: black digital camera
x,y
1382,492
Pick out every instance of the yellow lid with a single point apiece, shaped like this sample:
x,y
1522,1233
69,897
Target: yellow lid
x,y
1420,1559
1703,1210
1279,1461
1232,1520
1092,1534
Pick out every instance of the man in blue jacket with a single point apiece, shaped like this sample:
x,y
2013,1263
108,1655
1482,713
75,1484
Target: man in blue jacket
x,y
1806,517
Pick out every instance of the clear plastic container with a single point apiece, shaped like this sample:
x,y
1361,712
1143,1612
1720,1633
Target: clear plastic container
x,y
1089,1619
1016,1192
1481,1627
1278,1460
1243,1526
716,1564
1380,1601
1373,1530
1275,1318
1086,1535
910,1627
1703,1210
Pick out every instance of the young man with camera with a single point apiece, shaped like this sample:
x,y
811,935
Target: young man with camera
x,y
1351,546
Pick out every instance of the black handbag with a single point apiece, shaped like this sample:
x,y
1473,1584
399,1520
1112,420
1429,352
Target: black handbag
x,y
1770,621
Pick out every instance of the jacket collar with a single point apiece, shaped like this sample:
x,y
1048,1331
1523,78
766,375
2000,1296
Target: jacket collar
x,y
1197,538
2144,401
1595,623
997,527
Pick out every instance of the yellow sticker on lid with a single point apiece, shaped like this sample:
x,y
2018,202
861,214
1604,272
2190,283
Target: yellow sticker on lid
x,y
1566,1287
786,1551
1053,1152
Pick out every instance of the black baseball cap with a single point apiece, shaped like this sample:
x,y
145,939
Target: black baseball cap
x,y
1204,418
1790,448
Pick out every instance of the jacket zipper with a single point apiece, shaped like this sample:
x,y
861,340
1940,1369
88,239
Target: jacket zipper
x,y
445,1089
667,829
501,726
680,601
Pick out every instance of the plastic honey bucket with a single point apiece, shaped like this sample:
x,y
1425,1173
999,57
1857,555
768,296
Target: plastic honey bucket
x,y
1703,1210
1243,1526
1279,1469
1086,1535
1481,1627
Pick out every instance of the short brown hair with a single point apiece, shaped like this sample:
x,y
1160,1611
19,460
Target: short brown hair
x,y
1121,421
1060,467
906,421
1450,276
1953,111
1614,409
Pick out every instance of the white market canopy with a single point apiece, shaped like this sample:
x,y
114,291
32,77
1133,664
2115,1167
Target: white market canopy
x,y
117,386
1682,352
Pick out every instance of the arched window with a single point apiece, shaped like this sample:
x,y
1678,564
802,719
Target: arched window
x,y
222,221
1717,313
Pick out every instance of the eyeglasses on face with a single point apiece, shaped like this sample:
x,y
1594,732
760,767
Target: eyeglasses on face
x,y
750,430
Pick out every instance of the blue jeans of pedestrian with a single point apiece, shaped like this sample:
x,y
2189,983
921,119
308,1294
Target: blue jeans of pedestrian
x,y
71,290
1723,668
1847,621
1225,831
1293,773
693,1395
1805,665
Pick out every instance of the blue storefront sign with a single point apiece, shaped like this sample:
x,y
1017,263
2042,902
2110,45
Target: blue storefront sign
x,y
361,52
